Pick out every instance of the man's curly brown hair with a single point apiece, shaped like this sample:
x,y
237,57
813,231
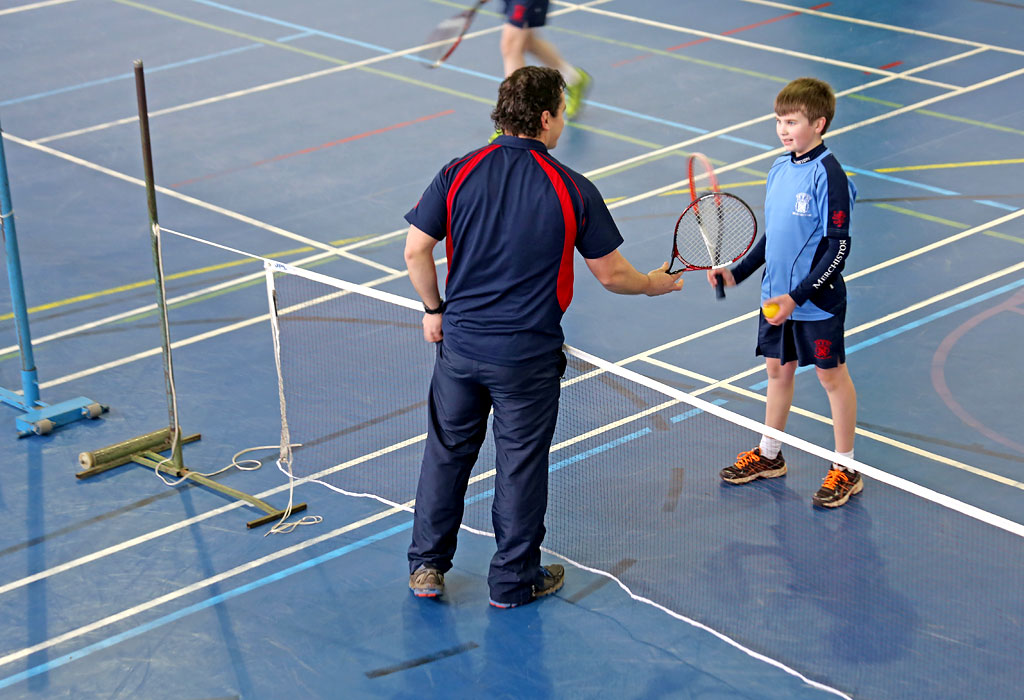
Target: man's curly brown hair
x,y
524,96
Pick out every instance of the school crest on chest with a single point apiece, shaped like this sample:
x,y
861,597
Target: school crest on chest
x,y
802,206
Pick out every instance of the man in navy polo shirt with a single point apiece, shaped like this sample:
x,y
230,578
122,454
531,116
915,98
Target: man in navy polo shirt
x,y
510,216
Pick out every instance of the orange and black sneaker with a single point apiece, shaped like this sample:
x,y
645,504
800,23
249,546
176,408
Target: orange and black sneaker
x,y
837,488
751,465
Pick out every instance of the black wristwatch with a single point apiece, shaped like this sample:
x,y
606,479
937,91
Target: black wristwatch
x,y
438,310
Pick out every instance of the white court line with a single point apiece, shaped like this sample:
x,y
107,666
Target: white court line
x,y
647,353
265,494
365,521
33,6
175,195
842,130
764,47
860,273
281,83
192,588
342,250
889,27
770,115
199,292
729,385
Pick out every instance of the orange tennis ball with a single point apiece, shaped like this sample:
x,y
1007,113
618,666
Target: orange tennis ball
x,y
770,310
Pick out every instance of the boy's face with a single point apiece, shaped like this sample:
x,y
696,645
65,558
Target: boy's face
x,y
797,133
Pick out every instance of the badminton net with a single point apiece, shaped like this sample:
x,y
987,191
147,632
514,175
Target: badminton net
x,y
901,593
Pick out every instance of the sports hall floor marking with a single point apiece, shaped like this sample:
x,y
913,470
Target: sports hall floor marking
x,y
729,382
33,6
344,245
731,31
453,67
209,602
642,356
943,166
882,25
770,49
288,234
1012,305
149,70
841,130
312,149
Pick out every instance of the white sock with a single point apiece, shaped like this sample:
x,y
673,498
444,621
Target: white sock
x,y
569,73
848,455
770,447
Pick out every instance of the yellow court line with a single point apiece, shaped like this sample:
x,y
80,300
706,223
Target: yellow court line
x,y
175,276
940,166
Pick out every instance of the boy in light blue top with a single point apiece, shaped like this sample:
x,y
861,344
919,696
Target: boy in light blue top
x,y
807,240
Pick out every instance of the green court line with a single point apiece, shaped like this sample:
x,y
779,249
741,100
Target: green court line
x,y
946,222
940,115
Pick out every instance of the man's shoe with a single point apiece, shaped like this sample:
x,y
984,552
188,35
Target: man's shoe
x,y
552,578
426,582
575,93
837,488
751,465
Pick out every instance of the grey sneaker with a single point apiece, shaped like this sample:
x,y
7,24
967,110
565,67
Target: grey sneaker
x,y
552,577
426,582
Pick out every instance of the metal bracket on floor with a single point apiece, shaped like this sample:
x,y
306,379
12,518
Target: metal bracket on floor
x,y
146,449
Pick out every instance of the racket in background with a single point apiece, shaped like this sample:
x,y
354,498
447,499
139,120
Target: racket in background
x,y
715,230
448,35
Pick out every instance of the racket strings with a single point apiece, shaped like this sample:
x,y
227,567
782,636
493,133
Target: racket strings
x,y
715,230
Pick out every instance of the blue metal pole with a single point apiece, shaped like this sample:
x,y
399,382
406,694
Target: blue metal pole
x,y
29,380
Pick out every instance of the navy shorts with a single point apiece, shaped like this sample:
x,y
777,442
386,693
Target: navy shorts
x,y
818,343
526,13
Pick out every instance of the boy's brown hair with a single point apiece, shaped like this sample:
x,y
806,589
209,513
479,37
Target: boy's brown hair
x,y
811,97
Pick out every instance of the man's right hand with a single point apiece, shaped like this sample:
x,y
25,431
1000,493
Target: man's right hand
x,y
661,282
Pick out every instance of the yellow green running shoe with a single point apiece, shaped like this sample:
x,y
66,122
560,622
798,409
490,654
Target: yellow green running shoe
x,y
575,93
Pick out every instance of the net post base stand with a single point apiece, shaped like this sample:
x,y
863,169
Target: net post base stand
x,y
42,420
39,418
145,450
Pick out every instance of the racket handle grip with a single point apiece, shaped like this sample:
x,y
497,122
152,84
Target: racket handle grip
x,y
719,287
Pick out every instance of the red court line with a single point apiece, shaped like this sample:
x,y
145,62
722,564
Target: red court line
x,y
1013,304
315,148
887,66
731,31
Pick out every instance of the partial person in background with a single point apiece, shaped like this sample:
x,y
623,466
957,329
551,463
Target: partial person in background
x,y
804,249
519,36
511,218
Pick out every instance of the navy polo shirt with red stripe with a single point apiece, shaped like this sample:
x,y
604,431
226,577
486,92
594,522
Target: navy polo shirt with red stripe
x,y
511,216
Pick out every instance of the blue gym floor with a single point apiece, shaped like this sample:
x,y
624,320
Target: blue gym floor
x,y
287,129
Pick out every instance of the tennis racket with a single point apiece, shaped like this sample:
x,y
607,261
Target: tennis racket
x,y
715,230
447,35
